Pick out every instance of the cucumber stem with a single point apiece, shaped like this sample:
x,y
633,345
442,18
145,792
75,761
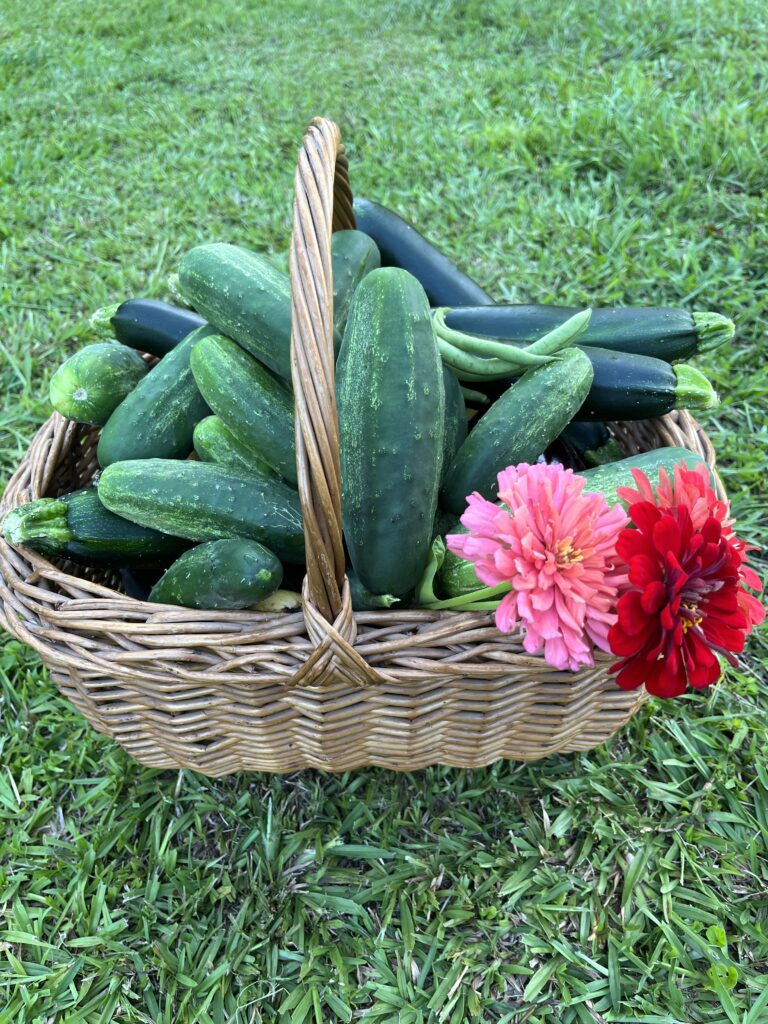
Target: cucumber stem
x,y
100,321
693,390
713,329
44,520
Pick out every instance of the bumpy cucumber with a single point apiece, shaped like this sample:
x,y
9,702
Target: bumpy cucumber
x,y
251,403
90,385
77,526
391,406
214,443
353,255
202,501
157,419
401,245
455,417
363,600
148,324
518,427
667,334
221,574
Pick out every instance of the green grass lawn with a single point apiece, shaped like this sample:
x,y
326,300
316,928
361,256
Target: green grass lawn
x,y
589,152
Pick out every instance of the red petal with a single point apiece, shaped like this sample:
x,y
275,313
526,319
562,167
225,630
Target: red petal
x,y
644,515
662,682
632,674
717,631
644,570
666,536
653,597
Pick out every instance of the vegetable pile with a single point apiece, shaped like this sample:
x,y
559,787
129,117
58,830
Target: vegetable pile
x,y
439,392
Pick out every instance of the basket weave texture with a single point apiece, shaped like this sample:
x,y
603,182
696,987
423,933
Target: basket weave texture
x,y
323,687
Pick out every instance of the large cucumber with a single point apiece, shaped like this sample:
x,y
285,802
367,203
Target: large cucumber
x,y
353,255
251,403
518,427
391,406
90,385
202,501
233,573
78,526
157,419
401,245
214,443
148,324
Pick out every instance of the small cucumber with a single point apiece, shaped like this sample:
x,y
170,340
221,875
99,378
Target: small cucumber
x,y
148,325
251,403
391,404
158,418
353,255
214,443
90,385
202,501
221,574
518,427
77,526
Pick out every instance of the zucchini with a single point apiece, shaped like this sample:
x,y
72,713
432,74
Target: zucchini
x,y
363,600
401,245
608,478
590,443
222,574
214,443
78,527
158,418
455,417
627,386
353,255
518,427
201,501
255,407
667,334
90,385
391,405
148,325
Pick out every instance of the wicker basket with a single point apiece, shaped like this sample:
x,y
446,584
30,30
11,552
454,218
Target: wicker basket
x,y
220,692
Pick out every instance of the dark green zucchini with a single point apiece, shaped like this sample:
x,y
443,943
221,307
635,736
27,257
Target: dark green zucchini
x,y
668,334
90,385
148,325
589,443
77,526
401,245
455,417
222,574
353,255
202,501
157,420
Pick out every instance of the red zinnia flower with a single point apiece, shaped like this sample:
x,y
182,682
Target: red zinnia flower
x,y
686,600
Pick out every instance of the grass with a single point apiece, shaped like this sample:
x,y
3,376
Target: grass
x,y
585,152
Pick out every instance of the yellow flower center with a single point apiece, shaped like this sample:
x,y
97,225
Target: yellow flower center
x,y
567,553
692,619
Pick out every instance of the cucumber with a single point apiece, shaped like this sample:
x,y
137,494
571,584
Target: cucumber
x,y
77,526
148,325
455,417
158,418
255,407
232,573
202,501
214,443
608,478
401,245
363,600
353,255
90,385
391,405
518,427
627,386
590,443
667,334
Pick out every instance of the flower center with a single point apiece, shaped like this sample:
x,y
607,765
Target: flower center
x,y
567,553
690,616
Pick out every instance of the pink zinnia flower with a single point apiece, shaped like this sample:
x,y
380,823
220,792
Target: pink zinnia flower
x,y
556,546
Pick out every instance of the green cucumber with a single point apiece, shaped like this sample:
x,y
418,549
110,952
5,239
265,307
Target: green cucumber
x,y
518,427
353,255
590,443
251,403
608,478
90,385
77,526
455,417
222,574
362,598
667,334
214,443
148,325
202,501
158,418
391,405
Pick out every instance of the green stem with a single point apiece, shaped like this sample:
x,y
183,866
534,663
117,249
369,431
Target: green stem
x,y
693,390
713,330
44,520
100,321
478,600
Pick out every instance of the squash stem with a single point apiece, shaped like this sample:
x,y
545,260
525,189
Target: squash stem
x,y
44,520
693,390
100,321
713,330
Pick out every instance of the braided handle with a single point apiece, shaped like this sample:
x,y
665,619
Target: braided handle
x,y
323,204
